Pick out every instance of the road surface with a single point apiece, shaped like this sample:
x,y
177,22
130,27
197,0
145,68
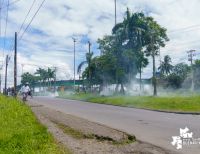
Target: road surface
x,y
153,127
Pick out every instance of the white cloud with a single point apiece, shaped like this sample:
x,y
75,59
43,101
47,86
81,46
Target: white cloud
x,y
59,20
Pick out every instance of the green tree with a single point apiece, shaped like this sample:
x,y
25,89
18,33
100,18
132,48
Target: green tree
x,y
50,75
179,74
102,70
42,75
174,81
131,41
87,62
46,75
129,38
182,70
166,67
155,38
27,77
196,68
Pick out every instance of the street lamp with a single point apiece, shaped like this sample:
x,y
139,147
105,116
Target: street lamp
x,y
74,40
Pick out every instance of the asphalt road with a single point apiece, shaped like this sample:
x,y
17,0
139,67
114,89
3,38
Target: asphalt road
x,y
153,127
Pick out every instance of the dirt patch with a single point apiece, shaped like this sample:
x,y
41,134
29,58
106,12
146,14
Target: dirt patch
x,y
84,126
85,137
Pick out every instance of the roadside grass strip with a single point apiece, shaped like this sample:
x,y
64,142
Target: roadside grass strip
x,y
169,104
20,132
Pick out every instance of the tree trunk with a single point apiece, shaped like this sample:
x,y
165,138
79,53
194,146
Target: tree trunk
x,y
50,84
140,78
116,88
154,77
54,84
100,88
122,91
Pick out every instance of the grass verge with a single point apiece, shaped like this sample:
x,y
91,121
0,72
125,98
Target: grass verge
x,y
20,132
174,104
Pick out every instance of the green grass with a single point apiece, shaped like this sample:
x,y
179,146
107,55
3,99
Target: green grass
x,y
174,103
21,133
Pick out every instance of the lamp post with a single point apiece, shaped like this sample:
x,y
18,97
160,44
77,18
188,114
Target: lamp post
x,y
74,40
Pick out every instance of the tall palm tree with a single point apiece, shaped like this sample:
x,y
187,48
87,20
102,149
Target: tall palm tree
x,y
166,67
132,30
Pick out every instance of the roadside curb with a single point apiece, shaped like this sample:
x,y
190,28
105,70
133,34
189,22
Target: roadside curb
x,y
175,112
163,111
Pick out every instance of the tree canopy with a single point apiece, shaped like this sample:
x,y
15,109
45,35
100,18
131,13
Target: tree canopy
x,y
124,52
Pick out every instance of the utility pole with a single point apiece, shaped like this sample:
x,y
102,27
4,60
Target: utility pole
x,y
0,16
55,79
115,12
89,45
0,80
191,54
74,64
22,68
1,67
89,63
15,66
6,71
0,36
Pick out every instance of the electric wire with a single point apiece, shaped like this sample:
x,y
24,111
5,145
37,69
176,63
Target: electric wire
x,y
0,15
193,27
31,20
11,3
22,25
5,32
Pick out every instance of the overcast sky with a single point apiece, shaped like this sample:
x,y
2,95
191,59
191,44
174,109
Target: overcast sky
x,y
48,40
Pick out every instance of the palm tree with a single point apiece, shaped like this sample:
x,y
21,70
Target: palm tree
x,y
165,67
50,75
42,75
87,61
132,31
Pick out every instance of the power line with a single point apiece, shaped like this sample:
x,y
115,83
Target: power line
x,y
189,28
11,3
1,8
33,65
26,16
5,32
181,45
0,15
185,43
32,19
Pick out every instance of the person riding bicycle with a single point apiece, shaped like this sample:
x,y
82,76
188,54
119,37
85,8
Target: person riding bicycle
x,y
26,89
